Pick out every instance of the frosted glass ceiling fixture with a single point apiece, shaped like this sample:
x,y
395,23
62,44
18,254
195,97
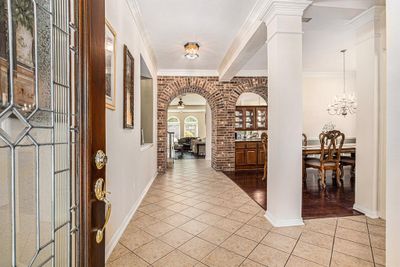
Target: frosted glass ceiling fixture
x,y
345,103
192,50
180,104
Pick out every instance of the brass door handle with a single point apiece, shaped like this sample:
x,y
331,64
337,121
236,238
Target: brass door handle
x,y
101,195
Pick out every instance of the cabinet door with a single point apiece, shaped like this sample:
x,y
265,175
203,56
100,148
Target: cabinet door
x,y
251,156
249,117
240,157
239,122
261,118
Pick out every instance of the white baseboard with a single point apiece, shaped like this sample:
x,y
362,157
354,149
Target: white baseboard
x,y
283,223
369,213
117,235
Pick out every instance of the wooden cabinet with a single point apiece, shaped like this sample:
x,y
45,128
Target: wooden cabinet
x,y
261,155
251,118
240,157
249,155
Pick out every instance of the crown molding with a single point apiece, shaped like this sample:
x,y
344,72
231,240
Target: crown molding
x,y
184,72
263,11
369,15
284,7
137,17
252,73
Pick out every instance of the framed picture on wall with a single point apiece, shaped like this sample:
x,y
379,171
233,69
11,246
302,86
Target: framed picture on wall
x,y
110,47
128,89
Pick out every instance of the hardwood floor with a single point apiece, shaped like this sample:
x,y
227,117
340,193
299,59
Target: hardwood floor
x,y
317,203
250,182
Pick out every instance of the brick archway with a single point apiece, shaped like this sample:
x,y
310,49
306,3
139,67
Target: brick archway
x,y
222,97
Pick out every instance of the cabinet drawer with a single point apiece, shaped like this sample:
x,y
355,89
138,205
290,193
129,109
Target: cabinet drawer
x,y
240,145
251,145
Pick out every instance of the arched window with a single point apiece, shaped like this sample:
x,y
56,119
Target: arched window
x,y
191,127
174,125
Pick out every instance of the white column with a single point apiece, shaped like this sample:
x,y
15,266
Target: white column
x,y
285,112
393,134
368,88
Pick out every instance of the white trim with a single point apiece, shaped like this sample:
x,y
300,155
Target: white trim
x,y
137,17
369,213
117,235
283,223
368,15
252,73
184,72
263,11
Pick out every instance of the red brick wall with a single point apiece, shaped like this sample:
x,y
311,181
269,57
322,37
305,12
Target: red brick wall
x,y
222,97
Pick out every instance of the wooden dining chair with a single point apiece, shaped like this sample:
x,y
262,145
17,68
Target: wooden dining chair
x,y
304,142
264,141
348,161
331,147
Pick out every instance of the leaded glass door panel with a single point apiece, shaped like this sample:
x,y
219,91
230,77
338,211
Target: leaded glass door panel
x,y
38,188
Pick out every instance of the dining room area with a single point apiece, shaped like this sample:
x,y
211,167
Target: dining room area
x,y
329,146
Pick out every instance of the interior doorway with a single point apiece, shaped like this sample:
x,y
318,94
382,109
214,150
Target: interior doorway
x,y
251,121
189,128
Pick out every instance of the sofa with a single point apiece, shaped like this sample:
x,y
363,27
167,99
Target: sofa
x,y
184,143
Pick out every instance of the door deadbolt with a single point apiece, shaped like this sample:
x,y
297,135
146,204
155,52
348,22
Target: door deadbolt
x,y
100,159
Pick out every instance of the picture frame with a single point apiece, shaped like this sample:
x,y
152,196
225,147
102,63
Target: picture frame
x,y
110,66
129,89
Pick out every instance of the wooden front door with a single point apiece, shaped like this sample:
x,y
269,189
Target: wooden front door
x,y
95,206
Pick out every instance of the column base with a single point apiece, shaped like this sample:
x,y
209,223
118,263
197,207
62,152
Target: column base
x,y
369,213
283,222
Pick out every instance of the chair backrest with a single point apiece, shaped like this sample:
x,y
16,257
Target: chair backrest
x,y
331,146
304,140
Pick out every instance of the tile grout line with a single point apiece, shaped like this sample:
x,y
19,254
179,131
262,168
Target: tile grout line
x,y
370,243
333,244
294,247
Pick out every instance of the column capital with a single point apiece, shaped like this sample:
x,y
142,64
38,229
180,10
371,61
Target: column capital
x,y
284,7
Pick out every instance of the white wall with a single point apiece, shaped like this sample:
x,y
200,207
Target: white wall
x,y
393,133
130,167
319,90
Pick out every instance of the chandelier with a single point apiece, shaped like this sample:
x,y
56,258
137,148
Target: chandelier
x,y
192,50
180,104
345,103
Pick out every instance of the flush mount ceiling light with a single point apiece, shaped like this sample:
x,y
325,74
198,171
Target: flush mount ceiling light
x,y
180,104
192,50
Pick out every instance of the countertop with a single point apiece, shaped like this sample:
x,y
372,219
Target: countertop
x,y
249,140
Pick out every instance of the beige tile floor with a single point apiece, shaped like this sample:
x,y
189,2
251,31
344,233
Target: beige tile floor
x,y
195,216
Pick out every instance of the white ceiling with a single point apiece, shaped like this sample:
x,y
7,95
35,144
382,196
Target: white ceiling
x,y
325,35
215,23
169,24
190,100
